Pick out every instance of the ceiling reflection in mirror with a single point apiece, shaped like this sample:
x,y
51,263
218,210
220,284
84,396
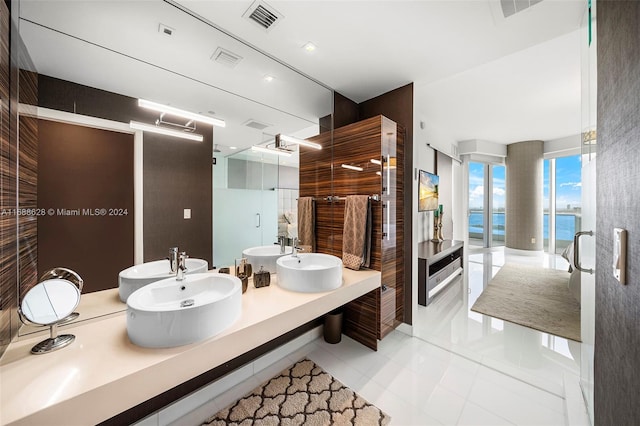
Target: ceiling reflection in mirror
x,y
120,47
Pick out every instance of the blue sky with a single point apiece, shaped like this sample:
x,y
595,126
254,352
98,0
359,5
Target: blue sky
x,y
568,183
568,186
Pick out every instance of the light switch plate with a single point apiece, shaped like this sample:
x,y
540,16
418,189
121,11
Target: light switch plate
x,y
187,213
620,255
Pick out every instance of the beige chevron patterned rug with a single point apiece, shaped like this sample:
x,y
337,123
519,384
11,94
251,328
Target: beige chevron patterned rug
x,y
303,394
535,297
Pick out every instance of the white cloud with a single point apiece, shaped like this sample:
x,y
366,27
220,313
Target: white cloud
x,y
499,192
478,191
573,185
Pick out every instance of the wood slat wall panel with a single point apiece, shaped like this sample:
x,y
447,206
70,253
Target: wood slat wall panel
x,y
400,254
8,291
315,168
11,47
357,144
28,181
361,319
28,200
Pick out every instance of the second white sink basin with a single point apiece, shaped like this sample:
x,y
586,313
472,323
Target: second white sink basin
x,y
264,257
138,276
309,272
171,313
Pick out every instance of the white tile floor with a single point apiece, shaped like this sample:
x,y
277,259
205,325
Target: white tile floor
x,y
461,369
538,358
417,383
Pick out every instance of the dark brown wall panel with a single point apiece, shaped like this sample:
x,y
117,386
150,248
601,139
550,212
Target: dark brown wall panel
x,y
177,176
85,168
177,173
345,111
617,322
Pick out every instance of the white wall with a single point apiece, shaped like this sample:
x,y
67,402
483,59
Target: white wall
x,y
428,137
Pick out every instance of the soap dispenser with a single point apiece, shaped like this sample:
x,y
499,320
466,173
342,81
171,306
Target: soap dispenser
x,y
243,272
261,278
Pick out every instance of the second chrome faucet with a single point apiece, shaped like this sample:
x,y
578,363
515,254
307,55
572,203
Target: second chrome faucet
x,y
182,266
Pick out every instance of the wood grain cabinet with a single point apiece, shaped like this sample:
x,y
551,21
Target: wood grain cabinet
x,y
375,148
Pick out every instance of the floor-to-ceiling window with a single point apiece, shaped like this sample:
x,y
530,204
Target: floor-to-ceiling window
x,y
562,205
476,204
498,194
486,204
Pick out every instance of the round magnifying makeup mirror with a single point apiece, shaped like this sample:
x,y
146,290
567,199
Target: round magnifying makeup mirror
x,y
50,303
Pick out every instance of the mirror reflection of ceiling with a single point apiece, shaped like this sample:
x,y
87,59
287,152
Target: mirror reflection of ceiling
x,y
364,48
119,46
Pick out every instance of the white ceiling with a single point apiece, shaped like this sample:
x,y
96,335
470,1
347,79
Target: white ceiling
x,y
478,76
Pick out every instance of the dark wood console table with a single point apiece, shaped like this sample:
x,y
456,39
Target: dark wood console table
x,y
438,264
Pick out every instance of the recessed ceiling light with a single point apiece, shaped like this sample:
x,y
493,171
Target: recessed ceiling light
x,y
233,147
310,47
269,78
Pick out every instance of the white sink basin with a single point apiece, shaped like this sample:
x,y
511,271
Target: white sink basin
x,y
138,276
309,272
265,256
171,313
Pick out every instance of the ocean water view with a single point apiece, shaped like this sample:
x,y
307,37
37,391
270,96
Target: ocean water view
x,y
565,225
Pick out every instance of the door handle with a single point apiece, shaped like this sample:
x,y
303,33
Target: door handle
x,y
257,220
576,251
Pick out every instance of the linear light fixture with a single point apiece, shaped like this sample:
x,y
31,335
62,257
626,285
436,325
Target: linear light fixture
x,y
266,150
180,113
164,131
350,167
374,161
291,139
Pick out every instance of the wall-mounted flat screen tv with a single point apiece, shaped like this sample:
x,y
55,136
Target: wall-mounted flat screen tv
x,y
428,191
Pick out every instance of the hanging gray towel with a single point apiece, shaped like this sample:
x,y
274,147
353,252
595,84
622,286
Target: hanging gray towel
x,y
356,236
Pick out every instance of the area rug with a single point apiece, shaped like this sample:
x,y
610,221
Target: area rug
x,y
303,394
533,297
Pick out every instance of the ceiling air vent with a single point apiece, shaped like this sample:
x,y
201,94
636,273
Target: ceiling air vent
x,y
263,15
165,30
511,7
256,124
226,57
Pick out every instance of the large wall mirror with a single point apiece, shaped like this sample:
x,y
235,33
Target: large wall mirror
x,y
93,60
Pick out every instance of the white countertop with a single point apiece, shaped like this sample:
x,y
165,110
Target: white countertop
x,y
102,374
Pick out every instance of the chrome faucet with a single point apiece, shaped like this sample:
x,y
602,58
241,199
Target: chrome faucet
x,y
182,266
295,248
173,259
281,242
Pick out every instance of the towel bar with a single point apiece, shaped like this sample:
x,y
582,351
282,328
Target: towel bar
x,y
334,198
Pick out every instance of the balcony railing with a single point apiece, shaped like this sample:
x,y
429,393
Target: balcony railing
x,y
566,225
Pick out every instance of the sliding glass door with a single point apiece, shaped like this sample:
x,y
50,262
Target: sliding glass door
x,y
562,202
486,204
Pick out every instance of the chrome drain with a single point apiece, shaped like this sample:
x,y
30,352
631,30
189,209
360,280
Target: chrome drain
x,y
188,302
